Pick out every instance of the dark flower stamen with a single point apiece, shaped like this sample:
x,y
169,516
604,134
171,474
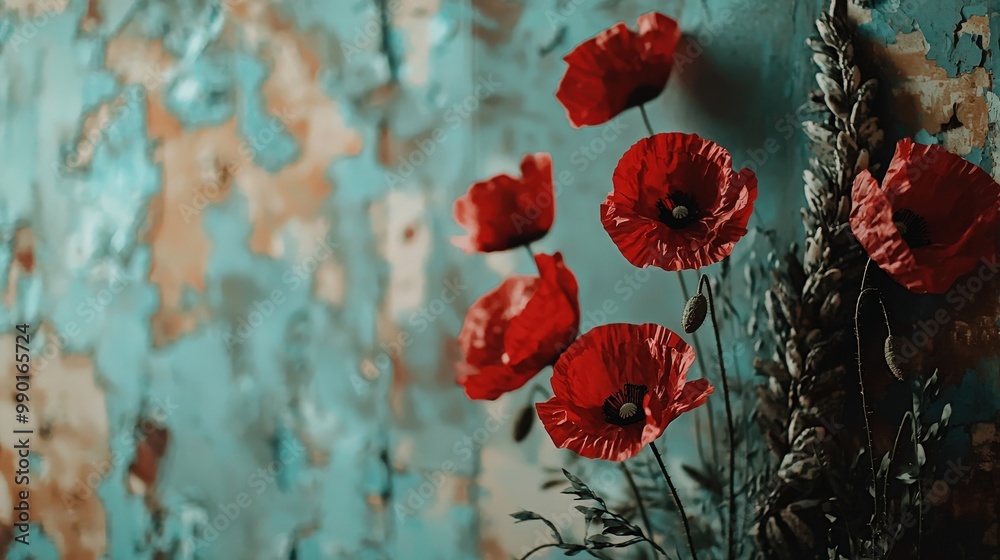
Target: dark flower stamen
x,y
678,210
912,227
625,406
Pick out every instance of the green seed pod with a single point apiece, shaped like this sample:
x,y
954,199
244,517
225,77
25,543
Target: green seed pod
x,y
694,313
894,356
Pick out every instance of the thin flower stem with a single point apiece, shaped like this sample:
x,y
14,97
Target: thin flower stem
x,y
892,455
885,312
645,119
864,403
731,542
709,409
537,548
704,372
697,347
677,501
920,492
531,253
700,357
640,504
540,388
699,445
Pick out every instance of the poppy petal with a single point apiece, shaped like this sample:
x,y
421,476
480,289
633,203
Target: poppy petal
x,y
618,69
504,212
517,329
932,221
677,202
550,320
607,370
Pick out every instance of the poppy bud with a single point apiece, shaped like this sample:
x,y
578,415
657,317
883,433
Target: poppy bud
x,y
894,356
694,313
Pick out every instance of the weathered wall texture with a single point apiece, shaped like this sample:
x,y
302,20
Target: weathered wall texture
x,y
228,224
937,65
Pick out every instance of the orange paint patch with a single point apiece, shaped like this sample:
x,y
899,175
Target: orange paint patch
x,y
294,95
188,160
24,262
24,249
66,398
977,25
137,61
926,97
92,18
149,450
198,168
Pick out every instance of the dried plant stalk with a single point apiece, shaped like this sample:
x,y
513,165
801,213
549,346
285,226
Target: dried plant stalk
x,y
811,312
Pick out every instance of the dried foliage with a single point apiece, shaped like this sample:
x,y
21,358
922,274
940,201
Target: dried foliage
x,y
617,531
811,306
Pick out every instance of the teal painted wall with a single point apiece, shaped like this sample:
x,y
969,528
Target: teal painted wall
x,y
228,224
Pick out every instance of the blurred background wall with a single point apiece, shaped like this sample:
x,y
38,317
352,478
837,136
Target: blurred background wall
x,y
228,227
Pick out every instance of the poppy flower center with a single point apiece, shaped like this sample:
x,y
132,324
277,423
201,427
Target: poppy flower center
x,y
624,406
912,227
678,210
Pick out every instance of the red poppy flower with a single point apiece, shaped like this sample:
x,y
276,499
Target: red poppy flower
x,y
678,203
504,212
618,69
933,220
517,329
616,389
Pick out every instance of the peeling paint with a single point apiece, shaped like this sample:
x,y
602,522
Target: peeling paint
x,y
216,205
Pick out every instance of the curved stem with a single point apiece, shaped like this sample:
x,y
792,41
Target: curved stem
x,y
892,455
920,488
640,504
537,548
539,388
700,358
864,403
645,119
531,253
699,355
731,546
677,501
878,297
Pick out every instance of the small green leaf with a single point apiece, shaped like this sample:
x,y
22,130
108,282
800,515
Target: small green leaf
x,y
883,466
599,539
525,515
617,527
931,432
581,490
591,514
575,480
945,414
551,483
931,381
